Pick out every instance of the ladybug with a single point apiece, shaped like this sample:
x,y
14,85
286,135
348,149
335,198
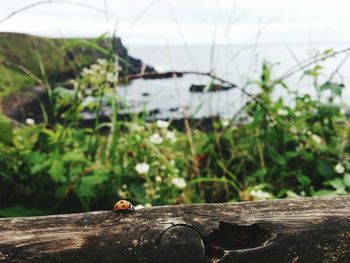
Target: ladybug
x,y
123,205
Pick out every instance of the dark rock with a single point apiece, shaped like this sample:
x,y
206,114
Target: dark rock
x,y
165,75
175,109
151,75
212,87
129,64
29,103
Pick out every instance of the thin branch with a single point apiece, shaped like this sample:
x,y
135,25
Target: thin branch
x,y
294,56
261,29
20,10
231,18
182,35
307,63
143,12
106,10
336,71
154,75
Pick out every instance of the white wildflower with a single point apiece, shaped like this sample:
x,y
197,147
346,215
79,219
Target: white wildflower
x,y
142,168
225,122
339,168
179,182
158,179
316,138
271,120
139,207
162,124
156,138
88,101
170,136
30,121
95,67
102,61
282,112
136,127
293,130
86,71
298,113
291,194
94,78
122,193
259,194
272,123
110,77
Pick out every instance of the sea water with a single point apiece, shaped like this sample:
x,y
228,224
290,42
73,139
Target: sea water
x,y
240,64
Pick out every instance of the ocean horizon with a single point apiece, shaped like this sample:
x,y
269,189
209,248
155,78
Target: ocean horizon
x,y
236,63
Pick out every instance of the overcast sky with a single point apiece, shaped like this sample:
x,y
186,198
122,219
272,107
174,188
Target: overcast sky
x,y
149,22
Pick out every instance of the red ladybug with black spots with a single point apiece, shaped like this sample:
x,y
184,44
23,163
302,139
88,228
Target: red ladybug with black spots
x,y
123,206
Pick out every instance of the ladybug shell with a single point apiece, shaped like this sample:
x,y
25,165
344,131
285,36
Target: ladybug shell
x,y
123,205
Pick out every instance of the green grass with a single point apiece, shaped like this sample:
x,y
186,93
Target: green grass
x,y
28,60
12,80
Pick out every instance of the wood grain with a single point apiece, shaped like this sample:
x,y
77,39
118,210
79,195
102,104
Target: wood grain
x,y
298,230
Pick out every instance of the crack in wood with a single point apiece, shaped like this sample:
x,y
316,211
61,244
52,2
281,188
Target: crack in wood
x,y
230,237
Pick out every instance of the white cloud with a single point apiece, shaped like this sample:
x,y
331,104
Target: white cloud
x,y
288,21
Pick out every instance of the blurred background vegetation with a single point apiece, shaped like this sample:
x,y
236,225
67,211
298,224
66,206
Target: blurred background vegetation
x,y
270,149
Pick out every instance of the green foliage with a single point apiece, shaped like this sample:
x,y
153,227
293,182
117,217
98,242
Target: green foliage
x,y
335,88
274,150
6,132
27,60
19,211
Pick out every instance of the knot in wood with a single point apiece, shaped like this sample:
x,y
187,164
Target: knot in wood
x,y
181,243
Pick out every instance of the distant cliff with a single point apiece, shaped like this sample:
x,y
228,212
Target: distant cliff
x,y
25,60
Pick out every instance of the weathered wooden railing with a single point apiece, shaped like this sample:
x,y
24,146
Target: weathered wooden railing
x,y
299,230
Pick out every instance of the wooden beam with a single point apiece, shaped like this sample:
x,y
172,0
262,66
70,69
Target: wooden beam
x,y
299,230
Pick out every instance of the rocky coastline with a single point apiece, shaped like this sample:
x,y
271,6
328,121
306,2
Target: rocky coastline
x,y
28,101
